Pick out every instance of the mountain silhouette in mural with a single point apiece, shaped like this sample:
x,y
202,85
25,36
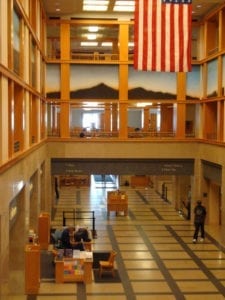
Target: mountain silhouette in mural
x,y
100,91
141,93
103,91
53,95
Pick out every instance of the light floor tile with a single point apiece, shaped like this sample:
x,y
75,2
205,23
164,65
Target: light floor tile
x,y
133,233
220,274
204,296
151,287
164,240
57,288
170,247
214,264
201,246
106,297
180,264
145,275
129,240
157,227
140,264
196,286
155,297
133,247
13,297
55,297
105,288
187,274
210,254
158,233
136,255
173,255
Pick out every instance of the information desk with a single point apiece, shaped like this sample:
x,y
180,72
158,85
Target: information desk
x,y
44,230
75,269
32,268
117,201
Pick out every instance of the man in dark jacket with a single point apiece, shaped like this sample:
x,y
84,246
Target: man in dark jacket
x,y
67,236
68,241
199,221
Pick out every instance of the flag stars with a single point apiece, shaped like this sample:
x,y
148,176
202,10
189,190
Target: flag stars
x,y
177,1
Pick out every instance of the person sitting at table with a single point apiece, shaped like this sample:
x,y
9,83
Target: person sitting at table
x,y
81,234
68,241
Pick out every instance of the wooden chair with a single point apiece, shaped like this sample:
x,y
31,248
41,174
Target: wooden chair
x,y
107,265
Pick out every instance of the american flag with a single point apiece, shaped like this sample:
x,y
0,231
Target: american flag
x,y
162,35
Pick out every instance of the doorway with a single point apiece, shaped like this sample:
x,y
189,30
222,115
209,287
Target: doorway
x,y
104,181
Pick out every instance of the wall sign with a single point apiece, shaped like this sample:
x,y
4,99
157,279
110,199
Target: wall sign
x,y
76,166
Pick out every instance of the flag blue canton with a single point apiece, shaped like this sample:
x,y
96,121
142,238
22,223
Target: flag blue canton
x,y
177,1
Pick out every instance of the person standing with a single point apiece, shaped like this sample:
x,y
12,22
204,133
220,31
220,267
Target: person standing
x,y
199,221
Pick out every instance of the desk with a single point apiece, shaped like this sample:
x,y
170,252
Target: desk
x,y
74,269
117,201
32,268
139,181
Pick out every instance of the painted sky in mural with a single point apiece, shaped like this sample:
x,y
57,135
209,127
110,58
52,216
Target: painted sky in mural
x,y
155,81
52,78
212,77
193,82
89,76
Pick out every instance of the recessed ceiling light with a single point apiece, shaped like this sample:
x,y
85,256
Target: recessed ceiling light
x,y
106,44
143,104
89,44
91,36
93,28
95,5
124,6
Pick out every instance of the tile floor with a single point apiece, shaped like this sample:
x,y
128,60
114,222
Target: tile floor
x,y
156,257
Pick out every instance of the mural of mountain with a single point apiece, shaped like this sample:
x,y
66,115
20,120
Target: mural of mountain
x,y
53,95
141,93
188,97
213,94
100,91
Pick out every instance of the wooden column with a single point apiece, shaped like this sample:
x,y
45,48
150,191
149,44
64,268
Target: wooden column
x,y
114,117
65,80
123,81
166,118
65,106
180,111
146,118
65,41
44,230
123,120
107,118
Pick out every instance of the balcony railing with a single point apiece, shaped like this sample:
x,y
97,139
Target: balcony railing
x,y
95,134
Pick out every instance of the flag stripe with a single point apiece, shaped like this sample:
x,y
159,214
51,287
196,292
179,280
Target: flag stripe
x,y
162,36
